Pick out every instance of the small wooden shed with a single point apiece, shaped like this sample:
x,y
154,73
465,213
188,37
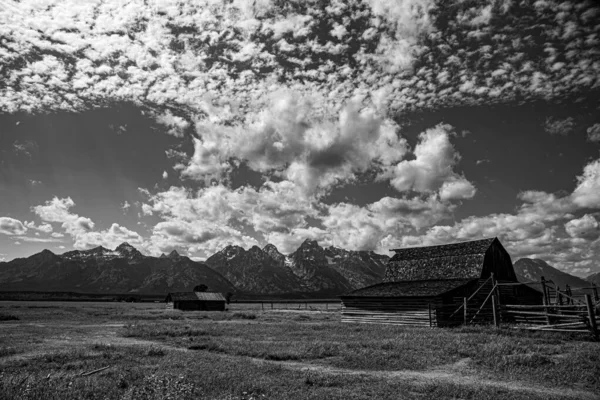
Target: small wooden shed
x,y
198,301
426,285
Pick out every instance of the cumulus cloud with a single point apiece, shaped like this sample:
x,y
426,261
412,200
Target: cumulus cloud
x,y
11,226
585,227
587,192
433,168
81,229
295,139
45,228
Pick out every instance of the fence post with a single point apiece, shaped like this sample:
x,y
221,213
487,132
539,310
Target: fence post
x,y
558,296
544,291
262,305
546,311
591,315
595,289
465,310
495,312
570,294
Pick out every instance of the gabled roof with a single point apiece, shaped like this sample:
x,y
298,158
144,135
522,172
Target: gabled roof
x,y
195,296
451,261
444,250
428,288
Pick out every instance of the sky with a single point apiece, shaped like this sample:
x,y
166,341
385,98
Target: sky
x,y
368,125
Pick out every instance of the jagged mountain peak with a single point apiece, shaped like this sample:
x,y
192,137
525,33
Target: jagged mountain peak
x,y
270,247
163,255
125,246
309,244
174,254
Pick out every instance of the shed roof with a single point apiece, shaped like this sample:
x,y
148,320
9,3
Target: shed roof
x,y
451,261
196,296
426,288
210,296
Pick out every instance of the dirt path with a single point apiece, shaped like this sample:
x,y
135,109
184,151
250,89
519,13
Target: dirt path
x,y
443,374
458,373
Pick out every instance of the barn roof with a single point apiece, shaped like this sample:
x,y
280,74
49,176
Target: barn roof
x,y
444,250
427,288
195,296
451,261
210,296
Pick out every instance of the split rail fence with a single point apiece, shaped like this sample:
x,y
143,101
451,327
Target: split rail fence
x,y
561,311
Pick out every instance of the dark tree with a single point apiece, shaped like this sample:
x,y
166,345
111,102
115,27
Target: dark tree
x,y
228,296
200,288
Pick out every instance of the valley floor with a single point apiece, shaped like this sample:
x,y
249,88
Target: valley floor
x,y
58,351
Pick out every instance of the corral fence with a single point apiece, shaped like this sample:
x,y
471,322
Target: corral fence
x,y
568,310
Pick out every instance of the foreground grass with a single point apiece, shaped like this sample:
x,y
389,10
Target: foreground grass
x,y
507,354
244,354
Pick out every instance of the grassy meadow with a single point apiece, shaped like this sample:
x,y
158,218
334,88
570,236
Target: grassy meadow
x,y
56,350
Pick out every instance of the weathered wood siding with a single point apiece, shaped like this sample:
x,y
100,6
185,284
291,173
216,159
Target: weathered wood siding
x,y
199,305
394,311
497,260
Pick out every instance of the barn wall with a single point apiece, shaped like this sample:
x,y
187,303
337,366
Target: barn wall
x,y
394,311
497,260
198,305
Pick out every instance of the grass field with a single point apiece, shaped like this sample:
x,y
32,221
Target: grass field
x,y
46,348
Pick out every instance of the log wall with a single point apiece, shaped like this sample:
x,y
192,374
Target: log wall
x,y
393,311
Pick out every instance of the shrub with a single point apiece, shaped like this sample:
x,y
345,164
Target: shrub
x,y
8,317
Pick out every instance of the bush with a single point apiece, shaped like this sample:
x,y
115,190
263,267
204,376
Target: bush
x,y
8,317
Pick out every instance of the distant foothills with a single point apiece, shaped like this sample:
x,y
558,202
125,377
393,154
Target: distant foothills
x,y
310,271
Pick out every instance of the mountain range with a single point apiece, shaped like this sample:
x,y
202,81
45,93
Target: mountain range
x,y
100,270
311,269
528,270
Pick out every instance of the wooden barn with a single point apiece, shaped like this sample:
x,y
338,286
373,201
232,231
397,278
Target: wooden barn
x,y
428,285
197,301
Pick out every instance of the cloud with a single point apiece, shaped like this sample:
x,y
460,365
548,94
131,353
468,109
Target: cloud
x,y
45,228
534,230
30,239
33,182
182,61
27,147
432,168
558,126
125,206
293,138
593,133
81,229
57,210
587,192
11,226
165,175
585,227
